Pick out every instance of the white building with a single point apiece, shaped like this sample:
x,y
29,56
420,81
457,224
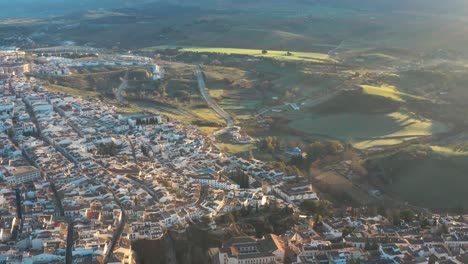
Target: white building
x,y
295,193
23,174
248,250
217,183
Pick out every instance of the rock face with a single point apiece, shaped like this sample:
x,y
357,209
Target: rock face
x,y
188,247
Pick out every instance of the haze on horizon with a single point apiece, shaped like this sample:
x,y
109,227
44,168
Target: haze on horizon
x,y
50,8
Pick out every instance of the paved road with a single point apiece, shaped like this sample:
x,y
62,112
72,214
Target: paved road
x,y
211,103
121,225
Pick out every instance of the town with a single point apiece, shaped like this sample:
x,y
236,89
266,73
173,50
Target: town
x,y
81,181
130,176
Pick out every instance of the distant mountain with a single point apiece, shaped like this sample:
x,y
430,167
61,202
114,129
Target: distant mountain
x,y
47,8
458,7
417,6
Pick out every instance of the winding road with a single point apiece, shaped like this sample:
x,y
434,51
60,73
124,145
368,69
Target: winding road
x,y
211,103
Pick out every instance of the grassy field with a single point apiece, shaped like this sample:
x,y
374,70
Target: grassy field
x,y
216,93
102,80
367,130
219,73
389,91
339,184
237,148
208,129
447,151
380,142
231,104
71,91
437,182
273,54
209,115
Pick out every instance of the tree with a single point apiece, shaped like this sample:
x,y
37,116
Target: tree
x,y
424,223
367,245
296,160
371,245
293,171
347,231
206,220
407,215
355,164
273,205
321,149
318,221
269,144
264,51
162,88
396,219
309,207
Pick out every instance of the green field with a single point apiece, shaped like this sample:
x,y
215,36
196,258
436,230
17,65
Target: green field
x,y
367,130
449,152
236,148
273,54
231,104
71,91
389,91
216,93
208,115
208,130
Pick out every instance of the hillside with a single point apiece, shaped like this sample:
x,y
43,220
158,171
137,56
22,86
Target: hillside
x,y
300,25
423,176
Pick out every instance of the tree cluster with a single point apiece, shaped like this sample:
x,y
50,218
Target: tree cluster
x,y
269,144
288,169
310,207
240,178
397,216
321,149
110,149
316,151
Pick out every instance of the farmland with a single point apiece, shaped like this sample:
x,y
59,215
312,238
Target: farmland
x,y
272,54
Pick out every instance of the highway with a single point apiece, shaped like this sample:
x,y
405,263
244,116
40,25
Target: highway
x,y
211,103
